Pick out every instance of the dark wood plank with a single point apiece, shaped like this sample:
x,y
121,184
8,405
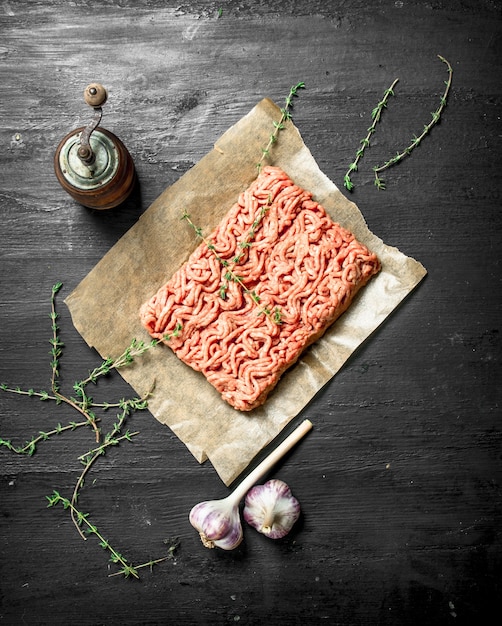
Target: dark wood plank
x,y
400,479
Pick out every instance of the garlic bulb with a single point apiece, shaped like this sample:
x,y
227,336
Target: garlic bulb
x,y
218,521
271,509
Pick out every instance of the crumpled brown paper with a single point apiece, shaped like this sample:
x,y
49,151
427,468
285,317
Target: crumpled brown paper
x,y
104,306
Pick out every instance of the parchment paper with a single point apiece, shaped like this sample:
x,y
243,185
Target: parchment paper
x,y
104,306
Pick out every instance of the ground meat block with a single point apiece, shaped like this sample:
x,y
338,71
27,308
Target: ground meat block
x,y
276,274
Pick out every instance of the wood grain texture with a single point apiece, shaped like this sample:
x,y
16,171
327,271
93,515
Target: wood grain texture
x,y
400,479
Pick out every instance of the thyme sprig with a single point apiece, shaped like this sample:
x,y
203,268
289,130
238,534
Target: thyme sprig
x,y
415,142
84,404
244,245
112,438
56,343
278,126
230,274
56,352
376,114
87,527
29,448
379,183
135,349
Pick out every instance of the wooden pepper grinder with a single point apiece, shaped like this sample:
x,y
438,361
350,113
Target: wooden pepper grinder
x,y
91,163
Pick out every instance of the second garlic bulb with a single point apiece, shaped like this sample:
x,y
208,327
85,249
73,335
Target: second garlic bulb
x,y
271,509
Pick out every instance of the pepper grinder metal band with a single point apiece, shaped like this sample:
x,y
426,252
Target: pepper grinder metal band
x,y
91,163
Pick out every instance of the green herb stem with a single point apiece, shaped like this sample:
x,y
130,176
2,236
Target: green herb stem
x,y
172,546
285,115
112,438
376,114
56,344
135,349
29,448
379,183
82,519
244,245
43,395
99,450
230,275
56,351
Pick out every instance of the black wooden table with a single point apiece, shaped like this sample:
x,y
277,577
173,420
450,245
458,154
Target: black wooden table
x,y
400,479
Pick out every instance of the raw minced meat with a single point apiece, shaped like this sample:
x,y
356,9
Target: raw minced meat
x,y
276,274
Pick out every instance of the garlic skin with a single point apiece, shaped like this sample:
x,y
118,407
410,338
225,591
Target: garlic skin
x,y
218,523
271,509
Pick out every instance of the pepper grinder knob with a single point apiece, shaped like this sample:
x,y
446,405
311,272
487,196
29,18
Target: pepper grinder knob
x,y
95,95
91,163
